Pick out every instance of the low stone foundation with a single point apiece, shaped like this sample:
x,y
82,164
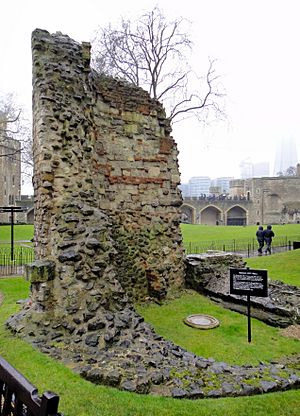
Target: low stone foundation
x,y
117,348
209,274
132,357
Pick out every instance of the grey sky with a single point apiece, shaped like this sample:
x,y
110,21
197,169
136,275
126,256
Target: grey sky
x,y
256,43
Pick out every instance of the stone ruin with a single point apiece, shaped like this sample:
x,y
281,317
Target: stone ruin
x,y
208,274
107,234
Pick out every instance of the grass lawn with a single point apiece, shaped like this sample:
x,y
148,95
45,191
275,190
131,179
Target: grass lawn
x,y
81,398
228,343
198,232
281,266
21,232
190,232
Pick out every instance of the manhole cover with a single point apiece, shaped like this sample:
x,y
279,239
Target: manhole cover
x,y
201,321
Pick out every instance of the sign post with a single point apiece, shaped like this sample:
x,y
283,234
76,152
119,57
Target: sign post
x,y
12,210
249,282
249,317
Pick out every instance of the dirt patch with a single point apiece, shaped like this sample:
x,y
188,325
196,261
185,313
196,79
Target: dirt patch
x,y
292,331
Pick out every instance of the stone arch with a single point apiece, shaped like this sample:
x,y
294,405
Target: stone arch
x,y
30,216
188,213
236,215
211,215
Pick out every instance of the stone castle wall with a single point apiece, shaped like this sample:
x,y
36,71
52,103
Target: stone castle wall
x,y
10,174
276,200
105,180
268,200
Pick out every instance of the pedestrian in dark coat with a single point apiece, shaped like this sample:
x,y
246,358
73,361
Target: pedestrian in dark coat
x,y
260,239
268,236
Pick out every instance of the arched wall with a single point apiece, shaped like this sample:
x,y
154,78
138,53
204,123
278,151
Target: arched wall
x,y
188,213
210,215
236,215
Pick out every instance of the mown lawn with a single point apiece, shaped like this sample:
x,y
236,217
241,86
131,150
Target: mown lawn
x,y
228,342
281,266
190,232
198,232
21,232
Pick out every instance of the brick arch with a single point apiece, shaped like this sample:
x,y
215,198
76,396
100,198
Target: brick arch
x,y
236,215
190,212
211,215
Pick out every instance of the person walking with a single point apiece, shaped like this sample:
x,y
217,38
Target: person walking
x,y
260,239
268,236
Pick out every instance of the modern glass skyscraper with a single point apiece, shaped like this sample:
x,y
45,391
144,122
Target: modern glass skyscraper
x,y
286,156
199,185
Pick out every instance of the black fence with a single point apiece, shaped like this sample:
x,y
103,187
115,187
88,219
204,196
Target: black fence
x,y
22,255
245,247
248,248
18,397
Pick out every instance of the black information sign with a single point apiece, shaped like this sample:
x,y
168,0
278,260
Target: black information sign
x,y
249,282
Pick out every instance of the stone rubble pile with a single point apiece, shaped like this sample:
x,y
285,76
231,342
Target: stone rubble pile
x,y
120,350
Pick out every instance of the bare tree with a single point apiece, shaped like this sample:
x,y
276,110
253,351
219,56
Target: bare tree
x,y
153,53
291,171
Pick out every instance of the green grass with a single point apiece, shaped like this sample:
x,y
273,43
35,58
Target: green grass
x,y
190,232
198,232
281,266
81,398
228,342
21,232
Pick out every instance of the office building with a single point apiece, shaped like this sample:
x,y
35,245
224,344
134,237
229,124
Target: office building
x,y
286,156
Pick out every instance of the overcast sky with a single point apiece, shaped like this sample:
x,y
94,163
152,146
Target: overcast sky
x,y
255,42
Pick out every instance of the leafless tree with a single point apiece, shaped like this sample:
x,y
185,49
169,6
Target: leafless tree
x,y
291,171
153,53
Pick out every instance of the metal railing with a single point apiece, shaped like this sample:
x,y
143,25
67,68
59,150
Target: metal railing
x,y
18,397
22,255
246,247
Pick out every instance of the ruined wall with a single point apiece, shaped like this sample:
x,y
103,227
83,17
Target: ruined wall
x,y
275,199
105,180
107,232
209,274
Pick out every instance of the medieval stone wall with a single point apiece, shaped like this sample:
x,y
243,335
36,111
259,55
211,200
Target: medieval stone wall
x,y
275,199
105,180
10,174
268,200
107,233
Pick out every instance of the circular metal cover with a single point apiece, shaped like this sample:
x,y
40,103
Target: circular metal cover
x,y
201,321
